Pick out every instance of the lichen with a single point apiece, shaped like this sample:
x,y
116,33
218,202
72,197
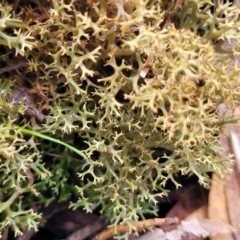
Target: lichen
x,y
133,84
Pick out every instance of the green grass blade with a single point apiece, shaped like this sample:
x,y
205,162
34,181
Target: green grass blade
x,y
43,136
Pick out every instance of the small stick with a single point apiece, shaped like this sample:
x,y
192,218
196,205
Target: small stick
x,y
140,225
12,67
87,231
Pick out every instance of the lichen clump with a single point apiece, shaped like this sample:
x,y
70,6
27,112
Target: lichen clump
x,y
133,84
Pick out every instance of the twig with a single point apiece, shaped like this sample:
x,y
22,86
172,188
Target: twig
x,y
26,235
5,233
15,5
60,155
13,67
141,225
87,231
